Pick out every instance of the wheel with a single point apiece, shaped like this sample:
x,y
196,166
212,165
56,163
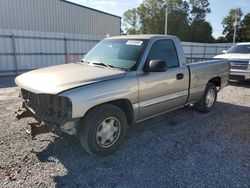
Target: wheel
x,y
206,103
103,129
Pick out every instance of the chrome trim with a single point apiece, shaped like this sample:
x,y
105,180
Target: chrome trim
x,y
164,98
164,112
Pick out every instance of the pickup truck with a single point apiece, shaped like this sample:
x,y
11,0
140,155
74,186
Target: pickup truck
x,y
123,80
239,57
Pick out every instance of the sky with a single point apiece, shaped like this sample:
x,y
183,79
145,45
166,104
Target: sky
x,y
219,9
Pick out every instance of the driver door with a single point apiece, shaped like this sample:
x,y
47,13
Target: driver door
x,y
162,91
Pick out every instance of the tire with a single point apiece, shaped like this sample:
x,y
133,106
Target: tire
x,y
207,102
102,130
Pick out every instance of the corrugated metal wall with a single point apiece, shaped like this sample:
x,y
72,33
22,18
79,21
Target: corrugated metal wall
x,y
206,50
56,16
24,50
40,33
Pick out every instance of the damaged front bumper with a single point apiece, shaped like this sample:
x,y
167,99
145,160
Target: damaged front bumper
x,y
52,113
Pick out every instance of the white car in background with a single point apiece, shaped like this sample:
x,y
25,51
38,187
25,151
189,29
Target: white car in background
x,y
239,56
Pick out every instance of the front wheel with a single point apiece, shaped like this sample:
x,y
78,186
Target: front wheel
x,y
103,129
206,103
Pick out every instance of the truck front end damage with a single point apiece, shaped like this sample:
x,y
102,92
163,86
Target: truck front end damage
x,y
52,112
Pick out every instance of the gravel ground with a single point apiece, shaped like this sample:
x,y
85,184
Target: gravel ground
x,y
183,148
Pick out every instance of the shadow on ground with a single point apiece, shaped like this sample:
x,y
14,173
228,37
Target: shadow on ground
x,y
245,84
179,149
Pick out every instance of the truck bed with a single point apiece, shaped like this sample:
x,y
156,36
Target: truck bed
x,y
201,72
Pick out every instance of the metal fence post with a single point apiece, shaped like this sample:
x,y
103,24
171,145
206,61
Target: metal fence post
x,y
191,53
190,59
204,54
14,53
65,50
216,50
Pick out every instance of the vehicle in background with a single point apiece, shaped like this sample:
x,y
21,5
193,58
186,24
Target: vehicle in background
x,y
239,57
121,81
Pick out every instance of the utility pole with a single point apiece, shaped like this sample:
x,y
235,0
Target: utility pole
x,y
236,23
166,20
235,27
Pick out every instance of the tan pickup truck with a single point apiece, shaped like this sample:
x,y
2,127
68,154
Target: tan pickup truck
x,y
121,81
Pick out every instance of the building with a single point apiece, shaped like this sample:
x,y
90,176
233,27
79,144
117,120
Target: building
x,y
58,16
39,33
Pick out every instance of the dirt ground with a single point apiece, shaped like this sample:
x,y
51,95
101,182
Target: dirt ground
x,y
183,148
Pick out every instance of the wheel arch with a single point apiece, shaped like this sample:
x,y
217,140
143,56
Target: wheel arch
x,y
216,81
124,104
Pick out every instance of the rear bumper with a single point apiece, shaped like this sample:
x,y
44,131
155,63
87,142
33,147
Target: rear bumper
x,y
239,74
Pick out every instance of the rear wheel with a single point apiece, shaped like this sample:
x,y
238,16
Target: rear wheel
x,y
206,103
103,129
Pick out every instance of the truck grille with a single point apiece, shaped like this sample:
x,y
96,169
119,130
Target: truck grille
x,y
51,108
239,65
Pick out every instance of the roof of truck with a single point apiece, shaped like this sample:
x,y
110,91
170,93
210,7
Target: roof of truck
x,y
149,36
243,43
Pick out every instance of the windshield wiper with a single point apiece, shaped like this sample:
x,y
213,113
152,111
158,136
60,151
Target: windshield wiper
x,y
103,64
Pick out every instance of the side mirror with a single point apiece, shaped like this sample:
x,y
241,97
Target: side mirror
x,y
224,51
156,66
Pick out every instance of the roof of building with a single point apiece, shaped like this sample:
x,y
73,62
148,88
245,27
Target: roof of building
x,y
69,2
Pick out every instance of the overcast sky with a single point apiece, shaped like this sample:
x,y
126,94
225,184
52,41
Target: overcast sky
x,y
219,9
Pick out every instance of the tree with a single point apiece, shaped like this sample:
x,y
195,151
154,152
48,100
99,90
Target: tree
x,y
131,21
228,24
244,33
220,39
178,23
152,17
152,14
188,24
201,31
199,9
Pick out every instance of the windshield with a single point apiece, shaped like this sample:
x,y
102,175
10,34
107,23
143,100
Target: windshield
x,y
240,49
118,53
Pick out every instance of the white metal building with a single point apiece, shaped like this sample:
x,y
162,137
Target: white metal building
x,y
39,33
57,16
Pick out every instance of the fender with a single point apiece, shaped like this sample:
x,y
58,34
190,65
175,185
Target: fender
x,y
86,97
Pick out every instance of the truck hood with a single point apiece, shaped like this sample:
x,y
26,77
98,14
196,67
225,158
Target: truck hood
x,y
234,56
55,79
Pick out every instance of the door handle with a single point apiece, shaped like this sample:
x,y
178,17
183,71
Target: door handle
x,y
179,76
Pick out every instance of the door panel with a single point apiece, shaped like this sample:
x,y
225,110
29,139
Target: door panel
x,y
162,91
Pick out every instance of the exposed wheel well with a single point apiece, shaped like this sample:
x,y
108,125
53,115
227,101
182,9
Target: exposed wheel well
x,y
125,105
216,81
127,108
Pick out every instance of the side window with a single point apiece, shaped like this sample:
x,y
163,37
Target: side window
x,y
164,50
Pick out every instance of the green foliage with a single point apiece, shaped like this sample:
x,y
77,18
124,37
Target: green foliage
x,y
186,19
131,20
199,9
220,39
244,33
202,32
228,24
242,30
151,13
